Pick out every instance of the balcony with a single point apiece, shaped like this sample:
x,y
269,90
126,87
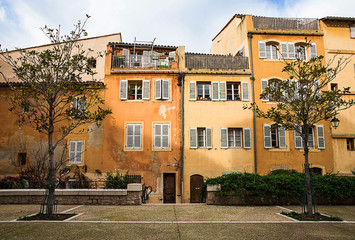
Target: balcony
x,y
145,60
299,24
211,61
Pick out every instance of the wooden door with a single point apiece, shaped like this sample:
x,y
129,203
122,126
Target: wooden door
x,y
196,182
169,188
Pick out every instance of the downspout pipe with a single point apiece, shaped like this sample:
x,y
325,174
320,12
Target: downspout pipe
x,y
181,83
252,78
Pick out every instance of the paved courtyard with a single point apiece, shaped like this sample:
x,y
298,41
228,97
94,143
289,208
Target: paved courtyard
x,y
190,221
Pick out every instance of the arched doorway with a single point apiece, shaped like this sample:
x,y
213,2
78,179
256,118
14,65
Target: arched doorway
x,y
196,182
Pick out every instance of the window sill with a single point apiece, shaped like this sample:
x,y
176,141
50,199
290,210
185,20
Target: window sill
x,y
311,150
161,149
75,164
278,149
133,100
271,60
133,150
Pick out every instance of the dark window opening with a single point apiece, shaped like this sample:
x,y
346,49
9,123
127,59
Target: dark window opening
x,y
333,86
233,91
350,146
135,178
135,90
92,62
203,91
316,170
22,159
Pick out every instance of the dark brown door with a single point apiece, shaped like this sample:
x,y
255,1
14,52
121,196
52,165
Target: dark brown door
x,y
169,188
196,182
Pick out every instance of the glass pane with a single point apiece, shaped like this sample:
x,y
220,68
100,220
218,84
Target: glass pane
x,y
157,130
157,141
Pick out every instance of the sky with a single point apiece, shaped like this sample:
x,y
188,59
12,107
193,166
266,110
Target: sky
x,y
190,23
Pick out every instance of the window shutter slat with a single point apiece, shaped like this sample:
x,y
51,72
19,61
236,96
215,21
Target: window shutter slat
x,y
245,91
193,137
313,51
146,59
158,89
291,50
224,137
320,137
126,54
298,140
146,90
165,133
267,136
262,49
247,138
123,89
222,91
209,137
282,137
165,89
192,91
215,91
264,84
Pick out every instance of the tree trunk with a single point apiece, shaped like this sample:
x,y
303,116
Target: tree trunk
x,y
307,174
51,177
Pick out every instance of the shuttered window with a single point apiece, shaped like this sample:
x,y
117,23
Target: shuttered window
x,y
313,50
219,91
298,139
224,137
200,137
146,90
134,136
267,135
123,89
193,137
262,49
231,137
76,152
134,89
274,138
282,137
161,136
264,85
320,137
162,89
247,138
192,91
245,91
288,50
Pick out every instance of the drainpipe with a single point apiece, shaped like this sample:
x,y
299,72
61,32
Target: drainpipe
x,y
252,78
181,83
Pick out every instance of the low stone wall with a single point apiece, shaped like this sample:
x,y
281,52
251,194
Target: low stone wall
x,y
129,196
213,198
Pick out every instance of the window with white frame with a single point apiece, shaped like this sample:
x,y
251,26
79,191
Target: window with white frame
x,y
271,51
235,138
162,89
201,137
274,137
78,107
133,136
76,152
300,52
233,91
161,136
317,132
134,89
272,83
287,50
204,91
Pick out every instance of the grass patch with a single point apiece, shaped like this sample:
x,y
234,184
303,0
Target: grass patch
x,y
53,217
315,217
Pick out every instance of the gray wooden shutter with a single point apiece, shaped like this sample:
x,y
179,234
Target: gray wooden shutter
x,y
129,136
262,49
123,89
165,89
125,53
157,136
158,89
284,52
222,91
291,50
267,136
165,136
192,91
79,152
282,137
72,148
146,59
298,139
138,136
172,56
312,51
193,137
215,91
352,30
209,137
245,91
264,84
320,137
224,137
247,138
146,90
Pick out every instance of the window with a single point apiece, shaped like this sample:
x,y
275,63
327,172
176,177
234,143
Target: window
x,y
76,152
161,136
135,89
233,137
203,91
201,137
313,51
268,50
134,136
271,51
333,86
78,107
315,170
233,91
162,91
136,60
22,159
311,135
300,52
288,50
274,137
350,146
273,83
